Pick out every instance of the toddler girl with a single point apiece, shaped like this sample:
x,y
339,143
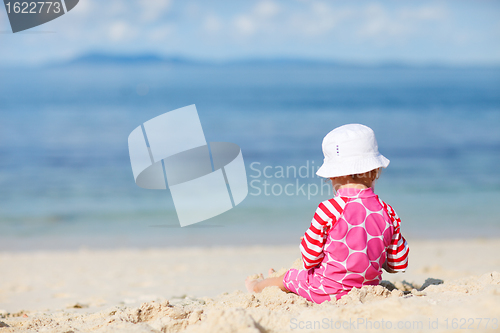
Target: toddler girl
x,y
353,235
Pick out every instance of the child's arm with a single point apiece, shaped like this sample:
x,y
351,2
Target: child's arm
x,y
387,268
314,239
397,251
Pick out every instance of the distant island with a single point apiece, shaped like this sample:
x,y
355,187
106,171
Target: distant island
x,y
122,59
156,59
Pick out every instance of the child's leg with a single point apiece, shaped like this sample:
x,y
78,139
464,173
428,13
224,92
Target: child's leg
x,y
257,285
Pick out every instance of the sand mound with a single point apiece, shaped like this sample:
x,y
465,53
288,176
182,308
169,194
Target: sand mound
x,y
276,311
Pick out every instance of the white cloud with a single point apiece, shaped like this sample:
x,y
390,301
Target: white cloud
x,y
377,23
245,25
319,19
83,8
384,26
119,31
424,13
260,18
267,9
151,10
225,29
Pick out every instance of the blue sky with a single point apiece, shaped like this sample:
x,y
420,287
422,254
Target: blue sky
x,y
455,32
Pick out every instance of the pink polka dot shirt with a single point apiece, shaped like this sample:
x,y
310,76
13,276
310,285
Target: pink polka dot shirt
x,y
350,238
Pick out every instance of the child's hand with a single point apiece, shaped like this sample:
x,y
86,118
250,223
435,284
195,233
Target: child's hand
x,y
301,238
387,269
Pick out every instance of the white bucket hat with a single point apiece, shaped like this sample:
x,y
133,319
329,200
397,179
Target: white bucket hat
x,y
350,149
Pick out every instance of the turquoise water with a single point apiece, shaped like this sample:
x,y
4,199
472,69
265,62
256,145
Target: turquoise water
x,y
66,180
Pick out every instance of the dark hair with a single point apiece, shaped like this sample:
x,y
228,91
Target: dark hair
x,y
371,175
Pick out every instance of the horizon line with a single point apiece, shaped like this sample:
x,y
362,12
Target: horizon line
x,y
150,58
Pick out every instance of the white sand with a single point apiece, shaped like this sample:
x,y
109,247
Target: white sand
x,y
201,290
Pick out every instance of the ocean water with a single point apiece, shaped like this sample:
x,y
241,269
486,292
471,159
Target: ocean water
x,y
66,180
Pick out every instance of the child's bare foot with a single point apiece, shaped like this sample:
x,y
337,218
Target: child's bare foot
x,y
250,283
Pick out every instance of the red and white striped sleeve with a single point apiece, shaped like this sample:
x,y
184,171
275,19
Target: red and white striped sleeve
x,y
311,247
397,251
